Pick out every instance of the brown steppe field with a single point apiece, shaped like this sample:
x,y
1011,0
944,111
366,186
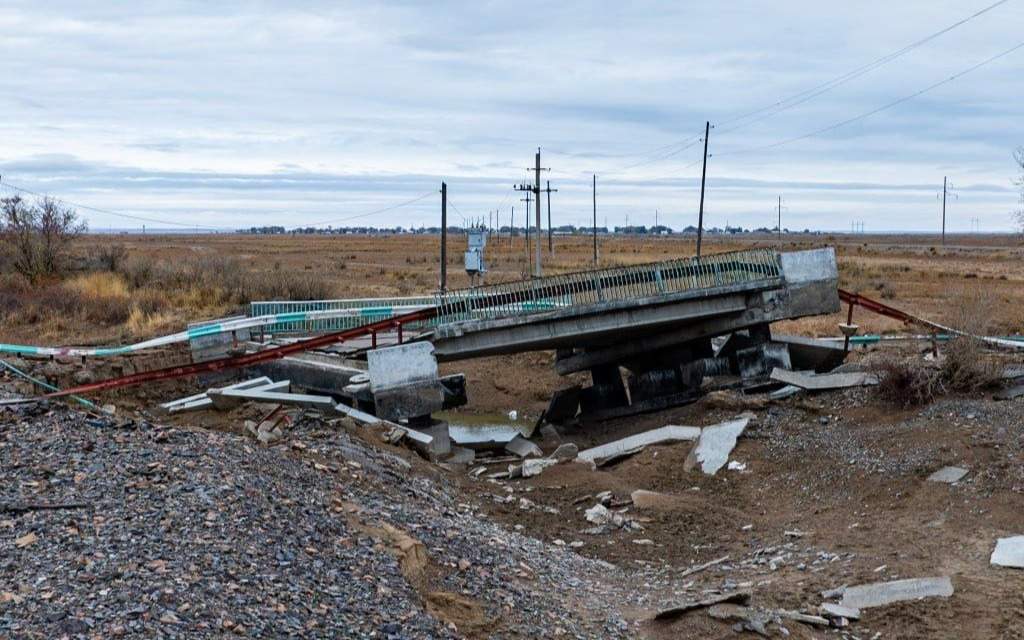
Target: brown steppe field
x,y
160,282
834,488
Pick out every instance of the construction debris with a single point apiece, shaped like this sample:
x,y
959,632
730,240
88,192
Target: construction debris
x,y
522,447
736,597
534,467
231,398
714,446
565,451
824,381
831,610
949,475
1009,552
489,436
202,400
882,593
635,443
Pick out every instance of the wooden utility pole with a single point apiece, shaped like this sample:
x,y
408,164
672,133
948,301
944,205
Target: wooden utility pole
x,y
780,221
595,220
511,227
703,176
551,244
944,181
536,192
444,236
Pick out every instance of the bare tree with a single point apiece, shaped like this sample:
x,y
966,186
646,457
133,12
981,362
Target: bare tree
x,y
37,237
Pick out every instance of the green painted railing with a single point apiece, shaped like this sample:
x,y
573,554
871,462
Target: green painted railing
x,y
635,282
370,310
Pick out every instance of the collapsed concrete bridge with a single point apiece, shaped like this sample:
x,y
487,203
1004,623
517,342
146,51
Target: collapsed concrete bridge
x,y
654,320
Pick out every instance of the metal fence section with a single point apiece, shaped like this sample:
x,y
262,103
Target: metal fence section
x,y
369,310
636,282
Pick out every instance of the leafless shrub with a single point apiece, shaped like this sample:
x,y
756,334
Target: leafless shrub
x,y
37,237
109,257
966,366
905,383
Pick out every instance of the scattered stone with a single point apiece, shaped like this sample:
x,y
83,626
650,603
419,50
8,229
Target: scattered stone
x,y
883,593
1009,552
26,540
598,514
949,475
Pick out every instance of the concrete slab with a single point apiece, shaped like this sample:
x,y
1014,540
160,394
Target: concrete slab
x,y
824,382
830,610
809,354
233,397
664,435
488,436
220,401
882,593
785,392
714,446
949,475
200,400
522,447
402,365
1009,552
313,373
736,597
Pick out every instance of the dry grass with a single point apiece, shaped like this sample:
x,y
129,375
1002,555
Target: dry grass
x,y
173,279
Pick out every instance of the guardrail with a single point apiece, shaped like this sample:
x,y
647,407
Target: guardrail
x,y
365,310
635,282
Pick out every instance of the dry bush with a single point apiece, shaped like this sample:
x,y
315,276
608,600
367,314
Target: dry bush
x,y
102,298
904,383
108,257
966,366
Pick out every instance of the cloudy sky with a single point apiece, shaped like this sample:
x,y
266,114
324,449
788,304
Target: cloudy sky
x,y
237,114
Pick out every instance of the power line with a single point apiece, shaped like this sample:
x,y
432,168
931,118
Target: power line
x,y
368,213
884,107
813,92
106,211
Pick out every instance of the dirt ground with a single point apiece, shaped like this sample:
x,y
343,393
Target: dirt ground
x,y
834,489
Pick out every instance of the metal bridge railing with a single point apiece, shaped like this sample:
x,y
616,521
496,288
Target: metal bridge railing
x,y
370,310
584,288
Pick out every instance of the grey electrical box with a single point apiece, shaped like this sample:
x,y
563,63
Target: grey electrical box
x,y
474,257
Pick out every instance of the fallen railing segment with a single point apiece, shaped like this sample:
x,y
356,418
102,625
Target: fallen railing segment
x,y
855,299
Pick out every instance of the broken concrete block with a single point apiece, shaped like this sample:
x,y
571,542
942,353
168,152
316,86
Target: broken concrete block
x,y
522,447
566,451
825,381
534,467
598,514
404,381
714,446
736,597
831,610
1009,552
785,392
485,436
882,593
632,444
461,455
949,475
